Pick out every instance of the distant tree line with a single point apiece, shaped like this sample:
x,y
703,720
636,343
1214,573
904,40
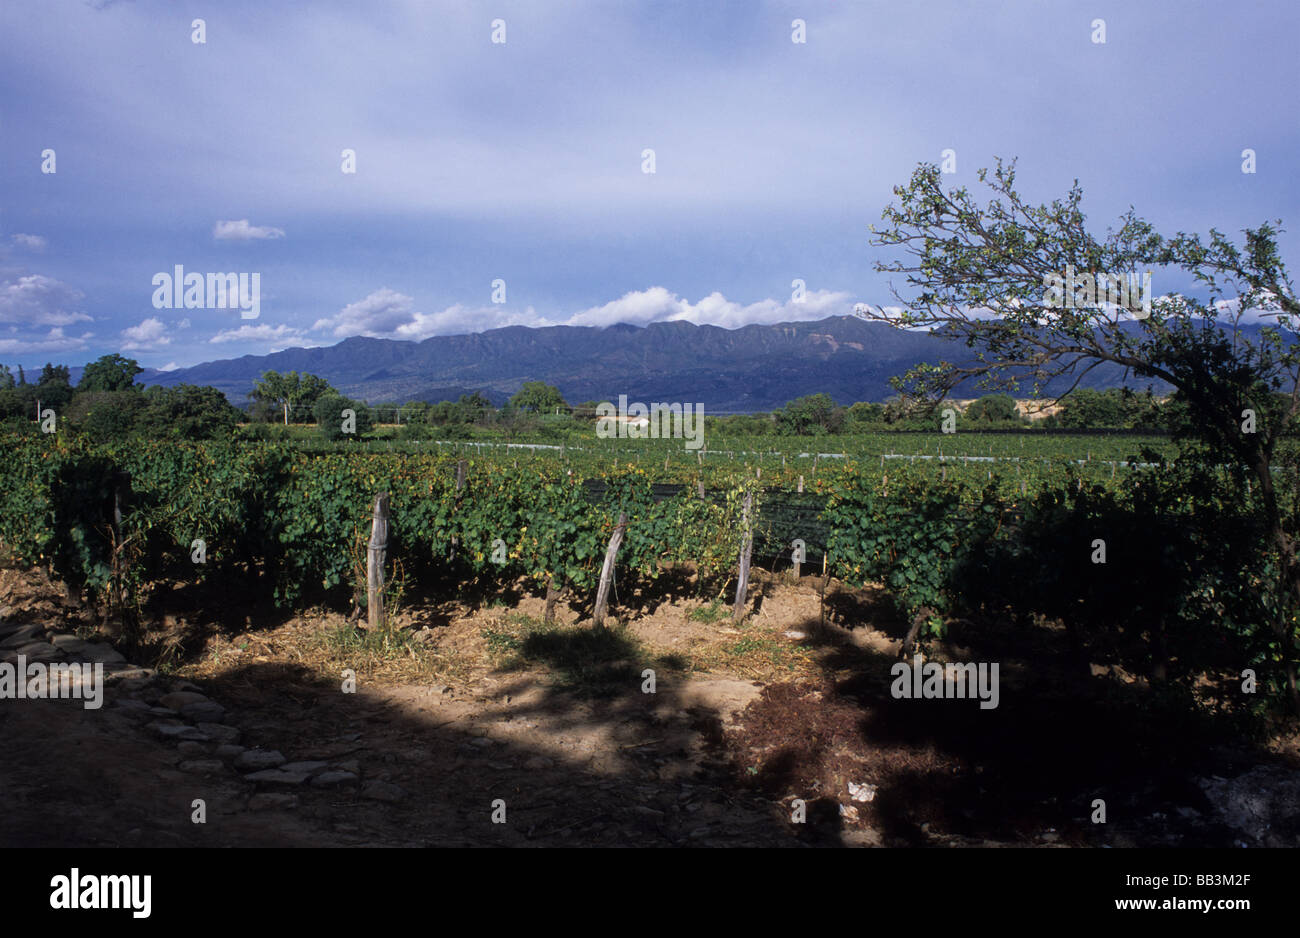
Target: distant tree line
x,y
1117,409
106,403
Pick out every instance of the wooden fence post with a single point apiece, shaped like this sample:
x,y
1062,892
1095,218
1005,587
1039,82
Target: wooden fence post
x,y
121,497
607,571
746,546
375,562
552,594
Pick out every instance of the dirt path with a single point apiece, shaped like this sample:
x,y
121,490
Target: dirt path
x,y
401,765
549,738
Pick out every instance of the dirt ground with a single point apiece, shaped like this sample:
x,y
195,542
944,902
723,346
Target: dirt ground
x,y
475,725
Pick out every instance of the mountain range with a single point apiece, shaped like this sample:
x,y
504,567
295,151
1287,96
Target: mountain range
x,y
753,368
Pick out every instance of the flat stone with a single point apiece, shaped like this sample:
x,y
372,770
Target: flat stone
x,y
183,686
1262,803
383,791
308,767
177,732
209,712
334,779
188,747
22,635
131,678
69,643
351,765
163,713
252,760
276,777
537,763
178,700
40,652
103,653
270,801
138,707
228,751
202,766
220,732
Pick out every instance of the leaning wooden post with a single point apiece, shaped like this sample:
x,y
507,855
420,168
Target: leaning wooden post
x,y
121,496
746,546
375,562
552,595
607,571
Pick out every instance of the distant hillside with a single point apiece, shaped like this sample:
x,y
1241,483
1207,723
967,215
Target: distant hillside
x,y
754,368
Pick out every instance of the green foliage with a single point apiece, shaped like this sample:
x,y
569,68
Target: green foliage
x,y
538,397
109,373
335,424
1191,578
807,415
993,409
291,390
104,416
53,389
912,537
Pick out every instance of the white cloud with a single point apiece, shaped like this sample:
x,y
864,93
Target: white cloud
x,y
53,341
30,241
242,231
150,334
657,304
170,366
387,314
37,300
257,334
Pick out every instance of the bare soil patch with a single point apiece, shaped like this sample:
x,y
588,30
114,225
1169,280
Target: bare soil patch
x,y
473,703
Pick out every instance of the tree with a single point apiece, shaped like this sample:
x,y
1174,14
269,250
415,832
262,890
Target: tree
x,y
109,373
1089,409
290,391
993,278
106,416
474,408
807,415
865,414
54,389
188,412
537,397
416,412
13,404
335,424
993,408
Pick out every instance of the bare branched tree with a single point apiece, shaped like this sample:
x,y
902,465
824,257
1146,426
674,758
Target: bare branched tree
x,y
998,278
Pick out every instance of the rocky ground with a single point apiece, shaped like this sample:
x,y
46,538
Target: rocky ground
x,y
259,743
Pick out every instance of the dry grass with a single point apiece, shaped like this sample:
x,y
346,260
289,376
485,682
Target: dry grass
x,y
327,644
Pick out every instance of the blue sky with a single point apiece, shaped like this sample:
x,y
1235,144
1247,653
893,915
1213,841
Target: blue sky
x,y
522,161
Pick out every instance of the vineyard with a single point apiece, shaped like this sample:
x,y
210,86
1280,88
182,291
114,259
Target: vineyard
x,y
958,529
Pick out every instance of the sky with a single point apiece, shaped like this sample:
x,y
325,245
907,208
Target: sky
x,y
504,182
